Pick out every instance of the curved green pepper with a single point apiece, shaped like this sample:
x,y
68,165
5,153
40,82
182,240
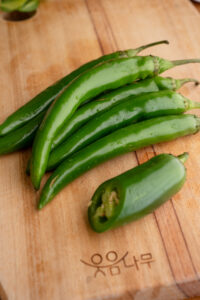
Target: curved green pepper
x,y
137,192
130,111
94,108
23,136
29,6
42,101
121,141
11,5
105,76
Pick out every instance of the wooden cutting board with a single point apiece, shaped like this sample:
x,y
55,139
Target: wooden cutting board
x,y
53,254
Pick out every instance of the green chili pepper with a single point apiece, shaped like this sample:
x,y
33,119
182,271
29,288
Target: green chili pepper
x,y
30,5
95,108
23,137
92,109
105,76
137,192
121,141
130,111
11,5
20,138
42,101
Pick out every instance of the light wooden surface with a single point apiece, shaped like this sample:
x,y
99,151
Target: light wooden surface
x,y
44,255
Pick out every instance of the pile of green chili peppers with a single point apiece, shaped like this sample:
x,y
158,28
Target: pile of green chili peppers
x,y
109,106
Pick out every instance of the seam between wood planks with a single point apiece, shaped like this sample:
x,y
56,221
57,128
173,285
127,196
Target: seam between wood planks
x,y
94,27
109,25
180,287
168,259
108,28
185,242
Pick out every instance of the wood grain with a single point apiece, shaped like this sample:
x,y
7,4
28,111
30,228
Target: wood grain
x,y
45,255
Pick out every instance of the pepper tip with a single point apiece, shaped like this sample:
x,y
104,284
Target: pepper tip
x,y
40,206
183,157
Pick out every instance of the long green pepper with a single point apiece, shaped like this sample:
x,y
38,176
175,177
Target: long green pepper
x,y
107,101
121,141
105,76
19,5
23,137
130,111
42,101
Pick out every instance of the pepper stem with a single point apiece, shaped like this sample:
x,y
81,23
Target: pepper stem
x,y
185,61
133,52
139,49
186,80
183,157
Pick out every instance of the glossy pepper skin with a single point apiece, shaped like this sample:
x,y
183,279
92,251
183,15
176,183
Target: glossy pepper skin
x,y
30,5
130,111
23,136
20,138
105,76
94,108
137,192
19,5
121,141
42,101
